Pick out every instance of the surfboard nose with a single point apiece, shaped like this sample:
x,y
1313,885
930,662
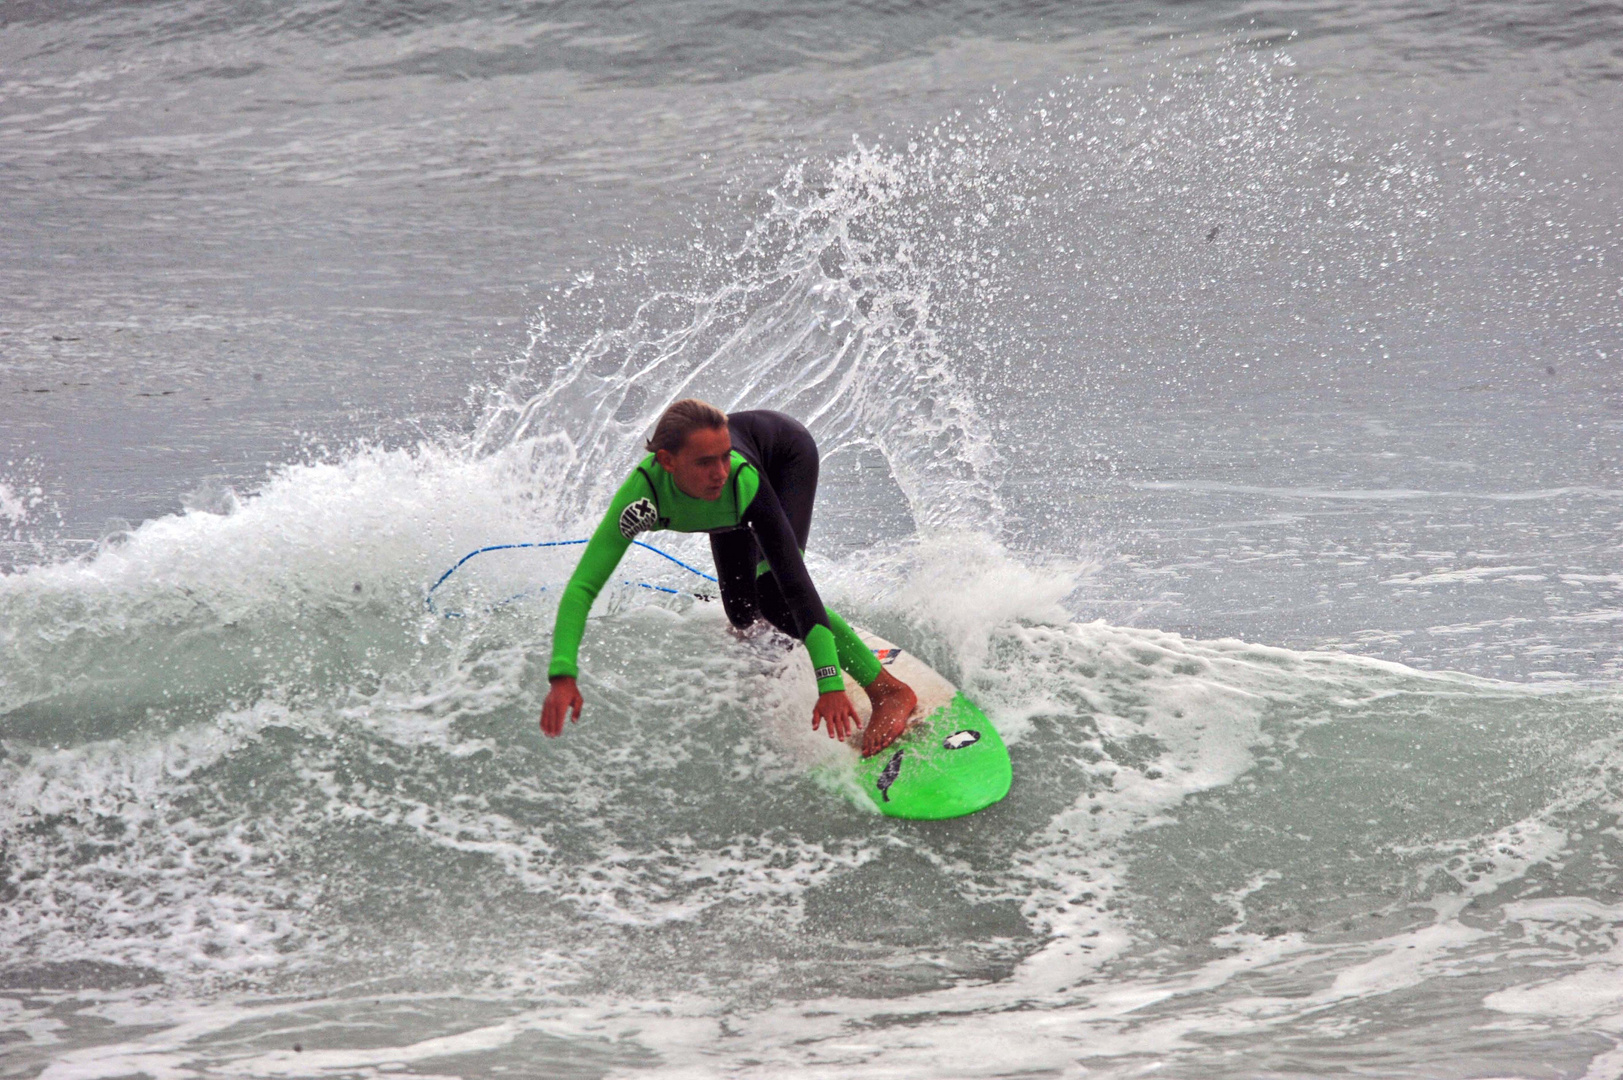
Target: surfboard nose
x,y
951,763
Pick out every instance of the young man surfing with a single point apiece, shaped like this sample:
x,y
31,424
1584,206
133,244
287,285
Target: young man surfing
x,y
749,480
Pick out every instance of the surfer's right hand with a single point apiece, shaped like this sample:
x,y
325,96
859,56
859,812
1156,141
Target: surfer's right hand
x,y
835,710
563,699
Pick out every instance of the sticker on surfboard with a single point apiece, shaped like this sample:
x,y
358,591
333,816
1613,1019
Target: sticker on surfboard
x,y
888,775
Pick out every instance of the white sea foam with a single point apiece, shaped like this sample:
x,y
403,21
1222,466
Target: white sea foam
x,y
1114,730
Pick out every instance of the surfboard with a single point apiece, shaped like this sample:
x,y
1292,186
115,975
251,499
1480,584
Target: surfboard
x,y
950,762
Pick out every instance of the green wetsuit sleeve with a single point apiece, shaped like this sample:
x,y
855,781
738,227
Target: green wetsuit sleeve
x,y
837,646
824,651
603,553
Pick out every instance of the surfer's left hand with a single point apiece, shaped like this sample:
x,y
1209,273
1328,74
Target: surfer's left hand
x,y
835,711
562,700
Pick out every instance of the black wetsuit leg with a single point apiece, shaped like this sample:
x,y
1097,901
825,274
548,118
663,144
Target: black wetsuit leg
x,y
735,555
774,608
785,454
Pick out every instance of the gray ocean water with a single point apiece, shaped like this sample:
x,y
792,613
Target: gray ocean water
x,y
1227,395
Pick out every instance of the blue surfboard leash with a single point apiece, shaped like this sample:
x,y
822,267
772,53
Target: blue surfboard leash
x,y
428,598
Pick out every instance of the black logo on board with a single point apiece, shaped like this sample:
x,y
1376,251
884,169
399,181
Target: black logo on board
x,y
893,769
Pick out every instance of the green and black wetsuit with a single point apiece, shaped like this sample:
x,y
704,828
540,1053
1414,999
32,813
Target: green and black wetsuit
x,y
758,530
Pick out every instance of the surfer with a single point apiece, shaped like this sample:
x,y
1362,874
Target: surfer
x,y
749,480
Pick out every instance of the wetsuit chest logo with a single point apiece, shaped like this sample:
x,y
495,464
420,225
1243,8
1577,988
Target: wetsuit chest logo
x,y
640,516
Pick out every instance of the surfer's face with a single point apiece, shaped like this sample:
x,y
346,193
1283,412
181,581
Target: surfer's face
x,y
700,468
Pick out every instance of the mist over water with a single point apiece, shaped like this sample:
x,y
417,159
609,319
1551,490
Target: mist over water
x,y
1226,398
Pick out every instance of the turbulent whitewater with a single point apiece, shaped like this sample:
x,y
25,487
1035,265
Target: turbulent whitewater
x,y
1227,401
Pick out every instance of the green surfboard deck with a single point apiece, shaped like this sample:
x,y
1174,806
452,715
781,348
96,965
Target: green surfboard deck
x,y
927,776
950,762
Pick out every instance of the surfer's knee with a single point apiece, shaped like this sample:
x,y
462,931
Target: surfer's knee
x,y
741,611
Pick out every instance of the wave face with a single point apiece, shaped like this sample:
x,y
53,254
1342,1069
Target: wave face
x,y
1233,420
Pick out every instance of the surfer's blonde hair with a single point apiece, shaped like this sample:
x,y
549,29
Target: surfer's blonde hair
x,y
681,419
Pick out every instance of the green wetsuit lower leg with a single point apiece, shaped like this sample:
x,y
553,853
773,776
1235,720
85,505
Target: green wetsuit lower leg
x,y
856,658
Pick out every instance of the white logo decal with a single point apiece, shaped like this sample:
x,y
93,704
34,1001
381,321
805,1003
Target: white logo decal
x,y
638,517
960,739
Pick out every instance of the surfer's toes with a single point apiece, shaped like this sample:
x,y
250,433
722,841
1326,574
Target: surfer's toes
x,y
875,742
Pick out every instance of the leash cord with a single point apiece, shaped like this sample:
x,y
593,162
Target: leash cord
x,y
428,598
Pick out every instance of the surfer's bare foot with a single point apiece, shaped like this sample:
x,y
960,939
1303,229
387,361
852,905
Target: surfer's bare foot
x,y
893,703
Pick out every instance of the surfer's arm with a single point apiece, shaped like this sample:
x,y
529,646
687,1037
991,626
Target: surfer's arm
x,y
603,553
776,538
